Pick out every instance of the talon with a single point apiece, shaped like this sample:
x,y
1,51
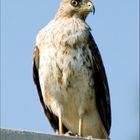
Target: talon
x,y
69,133
89,137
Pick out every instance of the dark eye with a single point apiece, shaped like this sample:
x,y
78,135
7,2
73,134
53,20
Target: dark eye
x,y
74,3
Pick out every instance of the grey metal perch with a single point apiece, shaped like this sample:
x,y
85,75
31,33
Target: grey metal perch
x,y
11,134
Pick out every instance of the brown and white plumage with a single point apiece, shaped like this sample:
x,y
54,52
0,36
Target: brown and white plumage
x,y
69,74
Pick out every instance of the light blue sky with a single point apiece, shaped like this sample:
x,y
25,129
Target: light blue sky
x,y
115,28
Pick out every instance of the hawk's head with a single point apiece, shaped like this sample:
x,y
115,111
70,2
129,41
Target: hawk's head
x,y
77,8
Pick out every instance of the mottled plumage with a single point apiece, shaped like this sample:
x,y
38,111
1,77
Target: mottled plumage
x,y
69,73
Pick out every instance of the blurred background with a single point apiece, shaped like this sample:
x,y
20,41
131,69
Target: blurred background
x,y
115,27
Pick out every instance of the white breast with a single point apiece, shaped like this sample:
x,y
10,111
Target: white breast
x,y
67,84
68,87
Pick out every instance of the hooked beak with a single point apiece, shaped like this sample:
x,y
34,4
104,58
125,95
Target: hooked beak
x,y
87,6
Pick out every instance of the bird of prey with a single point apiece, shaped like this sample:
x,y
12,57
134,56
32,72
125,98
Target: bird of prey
x,y
69,74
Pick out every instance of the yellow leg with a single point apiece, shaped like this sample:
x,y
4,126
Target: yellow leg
x,y
80,126
60,125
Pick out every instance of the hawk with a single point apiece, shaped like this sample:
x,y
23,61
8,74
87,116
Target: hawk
x,y
69,74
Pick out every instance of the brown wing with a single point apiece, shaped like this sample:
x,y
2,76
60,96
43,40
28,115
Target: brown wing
x,y
101,86
51,117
